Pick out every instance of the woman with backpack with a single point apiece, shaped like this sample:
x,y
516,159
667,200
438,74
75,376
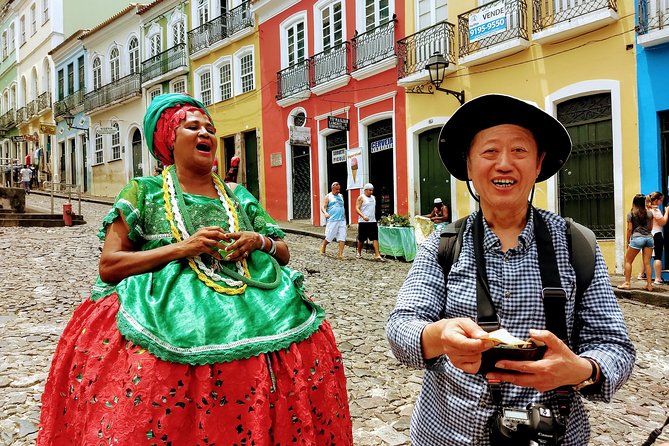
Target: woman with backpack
x,y
639,239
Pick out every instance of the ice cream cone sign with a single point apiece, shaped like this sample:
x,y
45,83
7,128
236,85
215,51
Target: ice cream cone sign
x,y
354,161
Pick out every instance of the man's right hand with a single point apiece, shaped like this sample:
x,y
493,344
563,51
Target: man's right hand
x,y
461,339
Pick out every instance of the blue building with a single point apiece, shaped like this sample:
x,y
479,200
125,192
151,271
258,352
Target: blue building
x,y
72,154
653,97
653,93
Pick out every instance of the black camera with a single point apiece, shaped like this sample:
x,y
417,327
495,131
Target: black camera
x,y
536,425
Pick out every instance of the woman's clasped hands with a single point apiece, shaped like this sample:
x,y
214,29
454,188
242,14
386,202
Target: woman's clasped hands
x,y
214,241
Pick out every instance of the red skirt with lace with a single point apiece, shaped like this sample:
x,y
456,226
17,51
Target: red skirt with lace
x,y
102,389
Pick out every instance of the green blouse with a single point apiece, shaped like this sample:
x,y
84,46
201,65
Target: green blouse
x,y
178,318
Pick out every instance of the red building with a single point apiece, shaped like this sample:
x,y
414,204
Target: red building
x,y
331,58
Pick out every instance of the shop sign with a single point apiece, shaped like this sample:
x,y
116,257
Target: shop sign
x,y
18,138
106,131
47,129
381,144
338,123
490,20
338,156
33,138
300,136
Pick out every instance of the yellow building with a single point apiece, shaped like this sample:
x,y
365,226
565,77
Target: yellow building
x,y
224,57
575,62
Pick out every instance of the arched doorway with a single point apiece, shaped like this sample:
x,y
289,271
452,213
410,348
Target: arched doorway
x,y
381,172
137,168
435,180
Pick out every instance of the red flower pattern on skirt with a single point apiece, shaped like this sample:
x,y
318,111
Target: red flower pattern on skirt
x,y
102,389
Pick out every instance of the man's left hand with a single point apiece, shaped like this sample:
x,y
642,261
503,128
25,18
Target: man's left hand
x,y
559,366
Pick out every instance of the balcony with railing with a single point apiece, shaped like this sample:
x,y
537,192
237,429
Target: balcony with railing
x,y
44,102
293,83
492,31
7,121
414,51
330,69
653,27
31,108
374,51
119,91
172,60
222,27
69,103
21,115
562,19
208,34
240,18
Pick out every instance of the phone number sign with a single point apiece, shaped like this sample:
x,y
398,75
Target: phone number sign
x,y
487,22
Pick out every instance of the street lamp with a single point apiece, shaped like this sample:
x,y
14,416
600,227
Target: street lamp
x,y
436,66
69,120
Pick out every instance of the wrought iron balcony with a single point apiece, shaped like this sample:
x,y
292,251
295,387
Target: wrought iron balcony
x,y
21,115
653,16
240,18
164,62
69,103
330,64
208,34
514,26
222,27
293,79
8,120
43,101
31,109
415,50
374,45
545,14
124,88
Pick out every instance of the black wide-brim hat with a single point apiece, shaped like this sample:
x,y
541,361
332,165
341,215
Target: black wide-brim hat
x,y
496,109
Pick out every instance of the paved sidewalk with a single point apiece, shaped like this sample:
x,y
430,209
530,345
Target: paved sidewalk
x,y
659,296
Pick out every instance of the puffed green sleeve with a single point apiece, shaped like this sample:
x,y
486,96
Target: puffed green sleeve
x,y
129,202
261,221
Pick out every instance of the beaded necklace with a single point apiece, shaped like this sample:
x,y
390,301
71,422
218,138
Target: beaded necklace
x,y
181,227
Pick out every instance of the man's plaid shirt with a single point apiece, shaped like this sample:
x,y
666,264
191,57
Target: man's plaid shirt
x,y
455,408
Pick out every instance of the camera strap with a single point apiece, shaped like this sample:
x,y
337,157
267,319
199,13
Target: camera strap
x,y
554,296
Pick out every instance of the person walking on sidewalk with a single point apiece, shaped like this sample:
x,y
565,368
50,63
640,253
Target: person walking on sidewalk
x,y
368,228
659,220
26,175
335,227
639,239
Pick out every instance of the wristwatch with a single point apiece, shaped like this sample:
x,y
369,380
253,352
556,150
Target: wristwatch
x,y
593,377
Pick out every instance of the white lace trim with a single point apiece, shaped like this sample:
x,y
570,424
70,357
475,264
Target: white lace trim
x,y
178,218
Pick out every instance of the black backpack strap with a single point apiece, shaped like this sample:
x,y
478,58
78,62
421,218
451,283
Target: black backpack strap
x,y
582,252
450,243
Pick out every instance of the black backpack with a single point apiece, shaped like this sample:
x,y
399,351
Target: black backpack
x,y
582,248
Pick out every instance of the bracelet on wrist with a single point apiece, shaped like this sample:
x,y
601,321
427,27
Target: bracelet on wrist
x,y
262,239
272,249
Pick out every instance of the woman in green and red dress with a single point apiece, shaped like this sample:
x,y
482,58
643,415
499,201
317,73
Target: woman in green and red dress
x,y
196,332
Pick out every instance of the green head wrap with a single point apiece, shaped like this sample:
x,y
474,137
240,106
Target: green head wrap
x,y
152,122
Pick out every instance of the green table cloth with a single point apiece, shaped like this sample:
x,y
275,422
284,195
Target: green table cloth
x,y
397,242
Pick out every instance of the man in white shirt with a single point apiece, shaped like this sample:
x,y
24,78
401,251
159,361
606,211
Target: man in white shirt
x,y
26,175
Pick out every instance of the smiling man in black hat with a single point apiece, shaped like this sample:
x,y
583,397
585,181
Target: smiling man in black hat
x,y
513,273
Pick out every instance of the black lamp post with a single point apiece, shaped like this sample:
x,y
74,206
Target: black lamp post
x,y
69,120
436,66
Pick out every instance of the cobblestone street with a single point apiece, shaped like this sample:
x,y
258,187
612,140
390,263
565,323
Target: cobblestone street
x,y
47,272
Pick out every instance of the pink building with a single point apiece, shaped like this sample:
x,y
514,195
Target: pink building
x,y
331,59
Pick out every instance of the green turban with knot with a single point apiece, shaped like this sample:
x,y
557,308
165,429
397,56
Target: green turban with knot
x,y
162,117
